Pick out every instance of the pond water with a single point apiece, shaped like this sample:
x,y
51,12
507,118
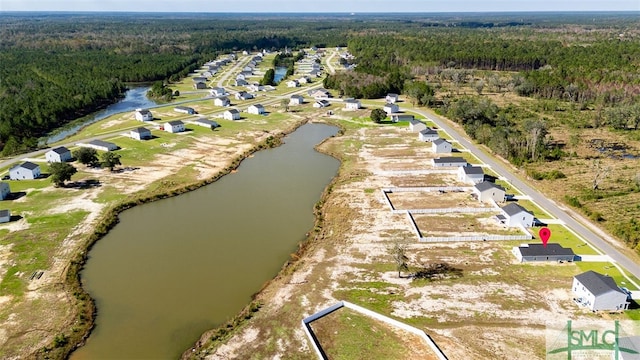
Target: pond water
x,y
280,73
134,98
174,268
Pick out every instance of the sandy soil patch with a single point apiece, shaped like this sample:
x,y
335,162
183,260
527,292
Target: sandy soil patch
x,y
408,200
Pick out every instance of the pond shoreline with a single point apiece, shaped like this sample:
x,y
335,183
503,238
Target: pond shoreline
x,y
85,306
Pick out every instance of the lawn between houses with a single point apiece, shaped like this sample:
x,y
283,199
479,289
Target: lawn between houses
x,y
484,305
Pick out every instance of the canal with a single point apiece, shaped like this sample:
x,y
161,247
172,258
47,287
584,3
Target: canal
x,y
174,268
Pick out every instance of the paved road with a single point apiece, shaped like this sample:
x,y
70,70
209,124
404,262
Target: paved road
x,y
551,207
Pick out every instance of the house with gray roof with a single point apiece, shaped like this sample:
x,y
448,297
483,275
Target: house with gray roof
x,y
402,117
221,101
352,104
256,109
200,85
207,123
321,104
140,133
441,146
143,115
414,124
538,252
296,100
470,174
184,110
391,98
231,114
599,292
5,216
218,91
488,192
243,95
428,134
100,145
515,215
25,171
59,154
390,108
449,161
175,126
5,190
240,82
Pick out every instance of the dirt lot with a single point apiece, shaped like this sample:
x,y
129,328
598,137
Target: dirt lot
x,y
434,200
485,306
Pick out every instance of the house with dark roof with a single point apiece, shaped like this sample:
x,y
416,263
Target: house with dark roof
x,y
428,134
240,82
200,85
390,108
486,191
5,190
321,104
414,124
217,91
184,110
207,123
25,171
401,117
539,252
319,93
391,98
599,292
140,133
515,215
175,126
143,115
59,154
449,161
441,146
352,104
231,114
5,216
296,100
256,109
221,101
470,174
243,95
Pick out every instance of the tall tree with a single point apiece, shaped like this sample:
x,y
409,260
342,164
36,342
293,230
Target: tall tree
x,y
110,160
86,156
61,172
398,251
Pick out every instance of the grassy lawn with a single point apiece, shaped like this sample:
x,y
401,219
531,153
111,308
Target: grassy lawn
x,y
536,210
606,268
561,235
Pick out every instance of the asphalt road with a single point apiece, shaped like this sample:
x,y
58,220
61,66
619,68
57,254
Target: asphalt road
x,y
550,206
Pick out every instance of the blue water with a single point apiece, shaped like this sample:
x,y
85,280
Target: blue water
x,y
134,98
280,73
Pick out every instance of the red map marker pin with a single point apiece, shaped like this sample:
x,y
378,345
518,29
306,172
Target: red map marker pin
x,y
545,234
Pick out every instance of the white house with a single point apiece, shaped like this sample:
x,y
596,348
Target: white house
x,y
240,82
401,117
255,87
59,154
5,216
599,292
293,83
231,114
221,101
256,109
428,134
319,93
415,125
440,146
25,171
514,215
391,98
321,104
304,80
207,123
5,190
487,191
390,108
352,104
296,100
184,110
175,126
217,91
243,95
140,133
143,115
449,161
100,145
540,252
470,174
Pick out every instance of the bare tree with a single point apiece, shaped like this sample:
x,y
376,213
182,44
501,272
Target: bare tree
x,y
599,173
398,251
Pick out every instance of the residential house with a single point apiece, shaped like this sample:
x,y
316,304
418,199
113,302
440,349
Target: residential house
x,y
207,74
25,171
59,154
321,104
184,110
390,108
441,146
296,100
304,80
175,126
315,73
449,161
217,91
391,98
5,216
143,115
428,134
489,192
293,83
416,125
200,85
231,114
401,117
352,104
515,215
140,133
198,79
319,93
243,95
470,174
247,69
246,74
255,87
540,252
100,145
599,292
221,101
240,82
256,109
207,123
5,190
241,76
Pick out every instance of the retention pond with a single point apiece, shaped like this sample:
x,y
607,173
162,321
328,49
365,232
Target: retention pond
x,y
174,268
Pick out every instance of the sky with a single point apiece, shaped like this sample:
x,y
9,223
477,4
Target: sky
x,y
356,6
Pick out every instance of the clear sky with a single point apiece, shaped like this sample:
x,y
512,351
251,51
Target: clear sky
x,y
357,6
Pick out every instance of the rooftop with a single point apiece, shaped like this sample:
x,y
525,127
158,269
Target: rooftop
x,y
513,209
450,159
541,250
597,283
486,185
